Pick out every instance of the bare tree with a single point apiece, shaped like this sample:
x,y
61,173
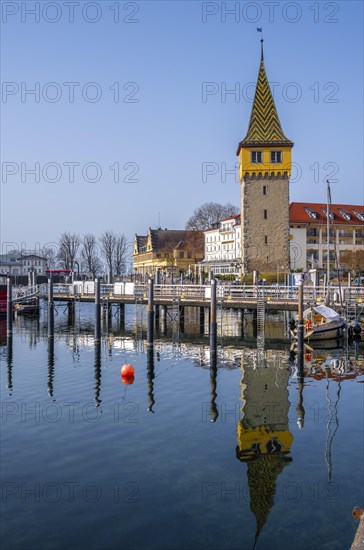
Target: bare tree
x,y
210,213
108,244
120,254
89,254
50,254
68,246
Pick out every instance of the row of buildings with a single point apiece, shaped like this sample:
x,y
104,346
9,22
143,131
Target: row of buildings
x,y
270,233
18,264
218,249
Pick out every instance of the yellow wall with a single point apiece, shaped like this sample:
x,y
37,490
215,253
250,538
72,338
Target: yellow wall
x,y
245,166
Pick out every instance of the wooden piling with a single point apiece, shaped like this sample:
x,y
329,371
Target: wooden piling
x,y
213,323
50,309
150,314
9,306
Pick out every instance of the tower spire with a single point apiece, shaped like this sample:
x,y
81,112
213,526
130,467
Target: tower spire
x,y
264,125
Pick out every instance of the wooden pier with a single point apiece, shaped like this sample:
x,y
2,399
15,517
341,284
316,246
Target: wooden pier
x,y
279,298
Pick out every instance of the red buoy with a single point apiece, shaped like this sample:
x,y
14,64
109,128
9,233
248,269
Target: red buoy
x,y
127,370
127,380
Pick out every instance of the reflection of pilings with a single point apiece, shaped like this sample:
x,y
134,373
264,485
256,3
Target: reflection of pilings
x,y
150,379
300,327
97,310
122,316
214,413
213,323
109,317
240,323
255,323
50,309
50,366
181,318
97,374
9,306
202,319
156,315
299,407
9,362
150,310
163,319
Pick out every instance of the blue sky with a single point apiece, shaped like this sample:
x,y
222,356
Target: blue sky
x,y
172,123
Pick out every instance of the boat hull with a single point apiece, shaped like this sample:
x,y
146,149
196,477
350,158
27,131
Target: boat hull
x,y
327,331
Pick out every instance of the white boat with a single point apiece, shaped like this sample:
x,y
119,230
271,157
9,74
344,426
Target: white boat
x,y
321,323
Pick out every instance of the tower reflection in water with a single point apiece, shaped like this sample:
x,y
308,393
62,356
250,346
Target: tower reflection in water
x,y
264,439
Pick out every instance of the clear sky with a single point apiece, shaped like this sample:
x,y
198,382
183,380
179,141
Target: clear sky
x,y
157,111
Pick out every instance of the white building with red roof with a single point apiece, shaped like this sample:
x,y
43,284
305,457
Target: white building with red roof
x,y
308,235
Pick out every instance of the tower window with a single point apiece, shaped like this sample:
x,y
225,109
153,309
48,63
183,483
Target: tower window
x,y
265,239
265,214
276,157
264,189
257,157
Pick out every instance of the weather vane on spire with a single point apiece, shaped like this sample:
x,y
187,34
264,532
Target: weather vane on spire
x,y
260,29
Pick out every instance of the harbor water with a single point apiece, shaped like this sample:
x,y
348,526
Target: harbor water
x,y
187,454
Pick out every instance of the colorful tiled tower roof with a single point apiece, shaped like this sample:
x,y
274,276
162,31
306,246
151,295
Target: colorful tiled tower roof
x,y
264,125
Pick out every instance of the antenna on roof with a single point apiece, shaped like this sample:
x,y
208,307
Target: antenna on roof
x,y
159,220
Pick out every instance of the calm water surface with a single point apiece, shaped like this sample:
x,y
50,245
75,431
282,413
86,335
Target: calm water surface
x,y
186,456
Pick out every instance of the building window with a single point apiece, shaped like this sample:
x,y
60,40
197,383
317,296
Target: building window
x,y
311,213
276,157
265,214
158,255
266,240
264,189
181,255
257,157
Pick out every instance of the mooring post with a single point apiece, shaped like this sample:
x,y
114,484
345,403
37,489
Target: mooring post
x,y
300,326
213,323
97,310
150,314
50,309
9,306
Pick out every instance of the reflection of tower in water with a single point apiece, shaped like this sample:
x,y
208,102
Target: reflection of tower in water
x,y
264,439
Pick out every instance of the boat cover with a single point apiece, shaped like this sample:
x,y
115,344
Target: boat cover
x,y
327,312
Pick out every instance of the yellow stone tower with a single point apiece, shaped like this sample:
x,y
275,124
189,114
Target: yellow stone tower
x,y
264,170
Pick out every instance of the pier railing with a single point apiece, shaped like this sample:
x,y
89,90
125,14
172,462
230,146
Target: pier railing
x,y
201,293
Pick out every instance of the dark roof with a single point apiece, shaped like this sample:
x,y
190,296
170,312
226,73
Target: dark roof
x,y
170,239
